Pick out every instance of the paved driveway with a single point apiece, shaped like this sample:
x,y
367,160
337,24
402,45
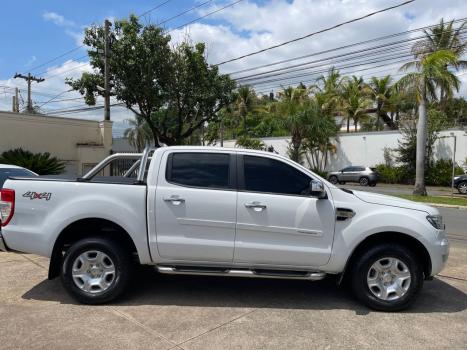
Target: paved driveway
x,y
164,312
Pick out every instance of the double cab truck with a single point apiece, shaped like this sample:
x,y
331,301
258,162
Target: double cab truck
x,y
221,212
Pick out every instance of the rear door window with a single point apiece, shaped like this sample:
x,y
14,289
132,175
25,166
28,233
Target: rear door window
x,y
204,170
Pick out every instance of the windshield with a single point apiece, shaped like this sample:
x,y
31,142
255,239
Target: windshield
x,y
5,173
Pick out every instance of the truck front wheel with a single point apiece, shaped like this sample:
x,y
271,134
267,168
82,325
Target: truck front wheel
x,y
96,270
387,277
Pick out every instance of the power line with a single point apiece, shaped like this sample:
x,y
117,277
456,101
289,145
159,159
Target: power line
x,y
209,14
314,33
169,19
184,12
154,8
383,49
341,47
82,45
338,49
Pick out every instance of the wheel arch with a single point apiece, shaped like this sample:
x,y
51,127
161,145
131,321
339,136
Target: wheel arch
x,y
391,238
83,228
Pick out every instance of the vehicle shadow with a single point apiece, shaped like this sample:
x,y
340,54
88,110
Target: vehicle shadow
x,y
150,288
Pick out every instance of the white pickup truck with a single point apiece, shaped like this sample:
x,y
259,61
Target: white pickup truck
x,y
221,212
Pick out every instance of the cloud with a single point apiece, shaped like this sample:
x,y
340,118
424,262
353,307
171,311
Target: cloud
x,y
57,19
250,26
31,61
53,85
254,25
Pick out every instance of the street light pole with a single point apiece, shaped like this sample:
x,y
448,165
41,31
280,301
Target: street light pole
x,y
453,163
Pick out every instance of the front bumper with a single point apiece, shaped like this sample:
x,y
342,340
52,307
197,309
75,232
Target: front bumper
x,y
440,253
3,246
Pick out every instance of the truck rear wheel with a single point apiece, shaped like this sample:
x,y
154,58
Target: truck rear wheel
x,y
96,270
387,277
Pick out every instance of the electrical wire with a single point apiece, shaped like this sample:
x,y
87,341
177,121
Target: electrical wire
x,y
342,47
209,14
314,33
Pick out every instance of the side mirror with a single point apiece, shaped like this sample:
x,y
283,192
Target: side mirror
x,y
317,189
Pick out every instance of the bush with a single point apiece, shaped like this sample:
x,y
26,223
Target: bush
x,y
40,163
322,173
251,143
439,173
394,174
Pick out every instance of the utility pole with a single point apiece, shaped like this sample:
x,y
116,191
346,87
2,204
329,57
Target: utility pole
x,y
16,100
106,70
29,78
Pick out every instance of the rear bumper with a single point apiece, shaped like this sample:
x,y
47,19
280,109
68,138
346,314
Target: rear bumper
x,y
3,246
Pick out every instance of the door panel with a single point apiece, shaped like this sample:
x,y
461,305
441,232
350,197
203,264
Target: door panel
x,y
278,223
289,231
195,224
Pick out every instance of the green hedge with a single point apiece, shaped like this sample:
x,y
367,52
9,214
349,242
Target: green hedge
x,y
438,173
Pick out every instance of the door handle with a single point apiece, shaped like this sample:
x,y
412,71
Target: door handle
x,y
176,200
256,206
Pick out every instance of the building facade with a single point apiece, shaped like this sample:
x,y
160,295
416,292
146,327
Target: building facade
x,y
80,143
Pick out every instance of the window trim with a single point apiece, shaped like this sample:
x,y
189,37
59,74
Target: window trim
x,y
232,181
241,177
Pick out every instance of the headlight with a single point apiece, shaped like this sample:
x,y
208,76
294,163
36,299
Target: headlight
x,y
436,221
457,177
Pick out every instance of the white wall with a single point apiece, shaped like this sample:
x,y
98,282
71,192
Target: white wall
x,y
367,148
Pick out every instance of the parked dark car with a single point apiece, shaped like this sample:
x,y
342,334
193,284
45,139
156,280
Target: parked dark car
x,y
365,176
7,170
460,182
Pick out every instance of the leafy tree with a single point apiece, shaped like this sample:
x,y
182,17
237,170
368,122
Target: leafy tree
x,y
40,163
174,90
407,146
292,102
320,128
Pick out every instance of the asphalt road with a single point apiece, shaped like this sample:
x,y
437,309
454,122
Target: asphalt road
x,y
190,312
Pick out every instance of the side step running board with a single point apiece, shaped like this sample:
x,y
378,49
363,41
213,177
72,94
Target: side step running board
x,y
310,276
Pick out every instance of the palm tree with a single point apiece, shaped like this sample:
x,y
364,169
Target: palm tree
x,y
443,37
138,134
430,72
354,101
381,93
244,103
330,87
291,103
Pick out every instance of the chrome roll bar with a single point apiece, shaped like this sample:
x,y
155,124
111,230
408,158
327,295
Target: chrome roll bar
x,y
141,161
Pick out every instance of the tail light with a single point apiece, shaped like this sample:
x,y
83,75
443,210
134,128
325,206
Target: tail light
x,y
7,205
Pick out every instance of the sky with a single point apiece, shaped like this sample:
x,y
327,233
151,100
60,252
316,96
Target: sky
x,y
35,32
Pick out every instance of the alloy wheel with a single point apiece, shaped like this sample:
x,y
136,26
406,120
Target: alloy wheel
x,y
93,272
389,279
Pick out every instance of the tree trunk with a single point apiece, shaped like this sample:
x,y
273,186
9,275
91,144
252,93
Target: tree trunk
x,y
348,124
421,146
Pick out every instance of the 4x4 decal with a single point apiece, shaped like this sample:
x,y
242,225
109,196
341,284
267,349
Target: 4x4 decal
x,y
34,195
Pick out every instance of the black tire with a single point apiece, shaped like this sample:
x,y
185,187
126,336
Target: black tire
x,y
333,179
462,187
361,268
364,181
122,262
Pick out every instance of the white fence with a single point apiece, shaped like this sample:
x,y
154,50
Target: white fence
x,y
367,148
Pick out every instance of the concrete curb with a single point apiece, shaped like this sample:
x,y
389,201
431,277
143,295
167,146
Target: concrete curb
x,y
446,205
